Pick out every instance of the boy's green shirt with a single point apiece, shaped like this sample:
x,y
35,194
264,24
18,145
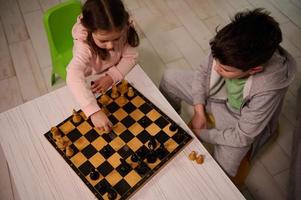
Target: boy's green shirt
x,y
235,89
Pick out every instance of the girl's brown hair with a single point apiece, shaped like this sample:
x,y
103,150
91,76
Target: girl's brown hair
x,y
106,15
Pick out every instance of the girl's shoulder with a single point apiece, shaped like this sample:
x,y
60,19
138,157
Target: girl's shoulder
x,y
79,32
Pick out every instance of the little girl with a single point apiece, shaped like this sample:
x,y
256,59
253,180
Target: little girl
x,y
104,41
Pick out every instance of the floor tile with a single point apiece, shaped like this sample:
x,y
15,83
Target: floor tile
x,y
10,93
6,65
282,181
35,27
274,159
12,21
46,4
27,70
262,185
27,6
285,136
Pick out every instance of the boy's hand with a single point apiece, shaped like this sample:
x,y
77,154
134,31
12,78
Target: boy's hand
x,y
101,121
199,120
102,84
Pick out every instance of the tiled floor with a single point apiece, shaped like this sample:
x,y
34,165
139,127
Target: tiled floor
x,y
174,33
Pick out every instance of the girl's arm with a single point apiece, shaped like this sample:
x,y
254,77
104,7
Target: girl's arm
x,y
76,78
126,63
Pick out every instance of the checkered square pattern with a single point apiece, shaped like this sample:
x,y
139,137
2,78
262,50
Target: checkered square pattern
x,y
135,119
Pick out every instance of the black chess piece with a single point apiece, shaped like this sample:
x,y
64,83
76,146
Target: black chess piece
x,y
152,144
161,151
142,167
106,151
142,152
179,136
143,121
134,158
112,194
94,175
92,83
173,127
124,165
151,157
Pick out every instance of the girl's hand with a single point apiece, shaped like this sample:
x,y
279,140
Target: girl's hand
x,y
101,121
102,84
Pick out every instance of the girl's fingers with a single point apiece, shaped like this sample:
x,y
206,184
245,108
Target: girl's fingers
x,y
107,128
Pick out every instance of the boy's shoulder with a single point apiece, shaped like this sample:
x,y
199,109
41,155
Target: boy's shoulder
x,y
279,72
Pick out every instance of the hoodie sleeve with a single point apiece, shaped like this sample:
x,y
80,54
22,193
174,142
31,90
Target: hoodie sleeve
x,y
76,72
200,83
126,63
254,118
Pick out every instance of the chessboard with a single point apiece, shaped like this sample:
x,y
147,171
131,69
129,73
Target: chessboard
x,y
115,164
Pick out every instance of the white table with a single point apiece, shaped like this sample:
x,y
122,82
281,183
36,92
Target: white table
x,y
39,172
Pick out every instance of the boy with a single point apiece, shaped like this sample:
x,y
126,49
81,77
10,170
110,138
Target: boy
x,y
242,87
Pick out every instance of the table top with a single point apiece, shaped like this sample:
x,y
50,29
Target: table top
x,y
39,172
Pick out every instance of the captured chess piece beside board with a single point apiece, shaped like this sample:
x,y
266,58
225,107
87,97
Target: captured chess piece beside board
x,y
115,164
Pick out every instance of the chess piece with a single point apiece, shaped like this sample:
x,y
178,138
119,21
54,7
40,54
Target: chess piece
x,y
152,144
55,132
106,151
69,151
112,194
200,159
142,167
66,141
60,143
104,99
114,93
124,165
143,122
173,127
192,155
94,175
151,157
76,117
179,137
142,153
161,151
92,83
134,158
130,92
124,87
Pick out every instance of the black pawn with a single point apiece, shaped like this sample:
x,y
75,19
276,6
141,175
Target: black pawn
x,y
106,151
124,165
151,157
161,151
134,158
143,121
142,153
112,194
92,83
142,167
152,144
180,136
94,175
173,127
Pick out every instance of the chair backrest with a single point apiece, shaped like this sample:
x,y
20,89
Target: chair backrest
x,y
58,22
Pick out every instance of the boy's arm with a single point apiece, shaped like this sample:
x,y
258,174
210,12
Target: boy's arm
x,y
200,83
254,118
126,63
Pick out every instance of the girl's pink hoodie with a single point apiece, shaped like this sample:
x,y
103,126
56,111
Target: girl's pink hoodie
x,y
83,64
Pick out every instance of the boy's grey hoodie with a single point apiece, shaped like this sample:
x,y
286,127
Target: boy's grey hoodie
x,y
263,94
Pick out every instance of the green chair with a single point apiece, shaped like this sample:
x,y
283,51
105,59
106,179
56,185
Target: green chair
x,y
58,23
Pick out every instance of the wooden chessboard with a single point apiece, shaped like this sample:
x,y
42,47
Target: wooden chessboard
x,y
134,121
